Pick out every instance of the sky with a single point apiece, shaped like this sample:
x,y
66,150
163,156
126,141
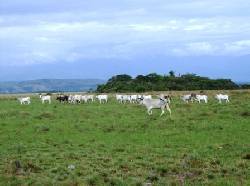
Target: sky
x,y
101,38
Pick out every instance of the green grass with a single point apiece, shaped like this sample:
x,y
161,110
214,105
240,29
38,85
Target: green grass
x,y
114,144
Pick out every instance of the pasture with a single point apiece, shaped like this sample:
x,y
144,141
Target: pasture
x,y
119,144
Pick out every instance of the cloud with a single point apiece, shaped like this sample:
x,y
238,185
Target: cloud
x,y
34,32
241,47
196,48
235,48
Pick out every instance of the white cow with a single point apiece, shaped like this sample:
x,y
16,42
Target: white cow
x,y
76,99
84,98
45,99
102,98
221,97
200,98
133,98
71,98
25,100
118,98
147,97
139,96
186,98
126,98
90,97
189,97
156,104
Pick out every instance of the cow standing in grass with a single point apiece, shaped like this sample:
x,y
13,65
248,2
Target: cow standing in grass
x,y
45,99
221,97
126,98
25,100
189,97
102,98
200,98
161,103
63,98
118,98
133,98
167,97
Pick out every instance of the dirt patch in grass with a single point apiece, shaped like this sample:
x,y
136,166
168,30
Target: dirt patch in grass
x,y
245,114
45,115
246,156
42,128
16,167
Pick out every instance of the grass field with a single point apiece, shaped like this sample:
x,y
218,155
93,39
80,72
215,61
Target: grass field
x,y
114,144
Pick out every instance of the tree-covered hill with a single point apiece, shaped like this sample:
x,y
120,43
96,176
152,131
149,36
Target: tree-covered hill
x,y
156,82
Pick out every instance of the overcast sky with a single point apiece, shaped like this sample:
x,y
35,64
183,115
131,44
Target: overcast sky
x,y
101,38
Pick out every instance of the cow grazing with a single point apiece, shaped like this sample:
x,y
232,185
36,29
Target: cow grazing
x,y
102,98
70,100
75,99
25,100
90,98
126,98
167,97
200,98
87,98
62,98
188,97
133,98
45,99
160,103
221,97
118,98
84,98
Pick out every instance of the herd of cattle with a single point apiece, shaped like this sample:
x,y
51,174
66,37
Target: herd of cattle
x,y
161,102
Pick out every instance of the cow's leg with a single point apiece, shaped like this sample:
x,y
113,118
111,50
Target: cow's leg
x,y
169,110
162,111
149,111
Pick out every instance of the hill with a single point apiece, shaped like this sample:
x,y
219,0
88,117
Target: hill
x,y
156,82
50,85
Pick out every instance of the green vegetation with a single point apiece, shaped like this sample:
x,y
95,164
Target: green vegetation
x,y
156,82
245,86
114,144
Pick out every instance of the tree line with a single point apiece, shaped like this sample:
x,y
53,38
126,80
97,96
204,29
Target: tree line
x,y
156,82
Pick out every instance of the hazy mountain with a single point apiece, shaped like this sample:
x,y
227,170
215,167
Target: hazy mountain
x,y
45,85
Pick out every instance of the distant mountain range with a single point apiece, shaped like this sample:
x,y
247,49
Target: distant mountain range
x,y
242,82
50,85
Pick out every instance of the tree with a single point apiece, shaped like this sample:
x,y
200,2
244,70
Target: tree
x,y
156,82
171,73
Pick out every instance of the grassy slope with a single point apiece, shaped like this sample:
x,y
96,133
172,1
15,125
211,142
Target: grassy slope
x,y
122,145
